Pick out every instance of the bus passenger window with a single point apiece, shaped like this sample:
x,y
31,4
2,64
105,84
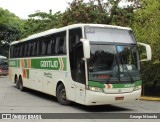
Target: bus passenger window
x,y
53,44
26,48
39,47
18,51
31,49
57,45
62,45
43,48
34,51
21,50
49,45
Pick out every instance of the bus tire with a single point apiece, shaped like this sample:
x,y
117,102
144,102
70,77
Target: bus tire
x,y
17,82
21,87
61,95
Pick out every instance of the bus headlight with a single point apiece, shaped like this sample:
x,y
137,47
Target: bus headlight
x,y
137,88
96,89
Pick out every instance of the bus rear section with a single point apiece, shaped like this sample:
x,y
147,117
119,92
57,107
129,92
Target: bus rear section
x,y
3,66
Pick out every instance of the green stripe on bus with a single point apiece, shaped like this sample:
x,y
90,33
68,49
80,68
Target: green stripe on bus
x,y
138,83
25,63
96,84
49,63
123,85
27,71
14,63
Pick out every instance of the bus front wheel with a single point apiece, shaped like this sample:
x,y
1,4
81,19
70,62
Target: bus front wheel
x,y
61,95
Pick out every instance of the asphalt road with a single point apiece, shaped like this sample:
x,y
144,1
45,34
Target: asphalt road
x,y
14,101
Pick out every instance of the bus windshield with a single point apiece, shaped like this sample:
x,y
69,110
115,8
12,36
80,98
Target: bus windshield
x,y
113,63
110,35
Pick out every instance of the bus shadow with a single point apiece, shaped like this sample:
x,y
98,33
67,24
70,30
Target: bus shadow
x,y
98,108
39,94
101,108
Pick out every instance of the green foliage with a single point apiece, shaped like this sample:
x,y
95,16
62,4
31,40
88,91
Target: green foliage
x,y
150,74
80,12
146,27
10,30
97,11
41,21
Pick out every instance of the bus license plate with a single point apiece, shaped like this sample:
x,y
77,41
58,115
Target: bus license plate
x,y
119,98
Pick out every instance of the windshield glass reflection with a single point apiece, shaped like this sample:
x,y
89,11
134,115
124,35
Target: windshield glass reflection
x,y
111,63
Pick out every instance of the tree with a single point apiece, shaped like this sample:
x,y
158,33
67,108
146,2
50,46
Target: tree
x,y
10,30
98,11
146,27
41,21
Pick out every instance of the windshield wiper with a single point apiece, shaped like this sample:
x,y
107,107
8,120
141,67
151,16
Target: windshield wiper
x,y
127,70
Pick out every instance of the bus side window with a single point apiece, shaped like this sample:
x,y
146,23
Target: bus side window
x,y
57,45
21,50
43,48
39,47
12,47
37,51
34,49
14,52
31,49
64,46
18,50
49,45
53,44
61,43
26,48
11,51
74,38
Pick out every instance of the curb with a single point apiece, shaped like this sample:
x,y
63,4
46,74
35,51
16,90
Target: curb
x,y
150,98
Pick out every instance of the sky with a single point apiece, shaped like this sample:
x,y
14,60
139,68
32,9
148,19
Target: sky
x,y
22,8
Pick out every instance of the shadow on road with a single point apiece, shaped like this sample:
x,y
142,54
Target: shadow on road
x,y
99,108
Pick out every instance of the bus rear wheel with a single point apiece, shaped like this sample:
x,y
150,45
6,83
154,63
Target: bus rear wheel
x,y
17,82
21,87
61,95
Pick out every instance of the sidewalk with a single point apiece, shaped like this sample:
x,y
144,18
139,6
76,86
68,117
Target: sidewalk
x,y
150,98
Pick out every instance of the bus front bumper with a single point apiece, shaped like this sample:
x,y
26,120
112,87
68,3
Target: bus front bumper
x,y
97,98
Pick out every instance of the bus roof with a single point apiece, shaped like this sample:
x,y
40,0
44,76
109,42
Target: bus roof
x,y
48,32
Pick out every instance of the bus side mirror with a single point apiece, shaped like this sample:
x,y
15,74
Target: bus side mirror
x,y
148,51
86,48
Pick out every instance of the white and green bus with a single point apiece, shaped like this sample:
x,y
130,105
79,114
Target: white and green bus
x,y
90,64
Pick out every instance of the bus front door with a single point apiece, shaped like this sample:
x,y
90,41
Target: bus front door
x,y
79,75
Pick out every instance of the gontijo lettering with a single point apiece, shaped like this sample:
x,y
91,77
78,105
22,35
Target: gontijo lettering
x,y
53,64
